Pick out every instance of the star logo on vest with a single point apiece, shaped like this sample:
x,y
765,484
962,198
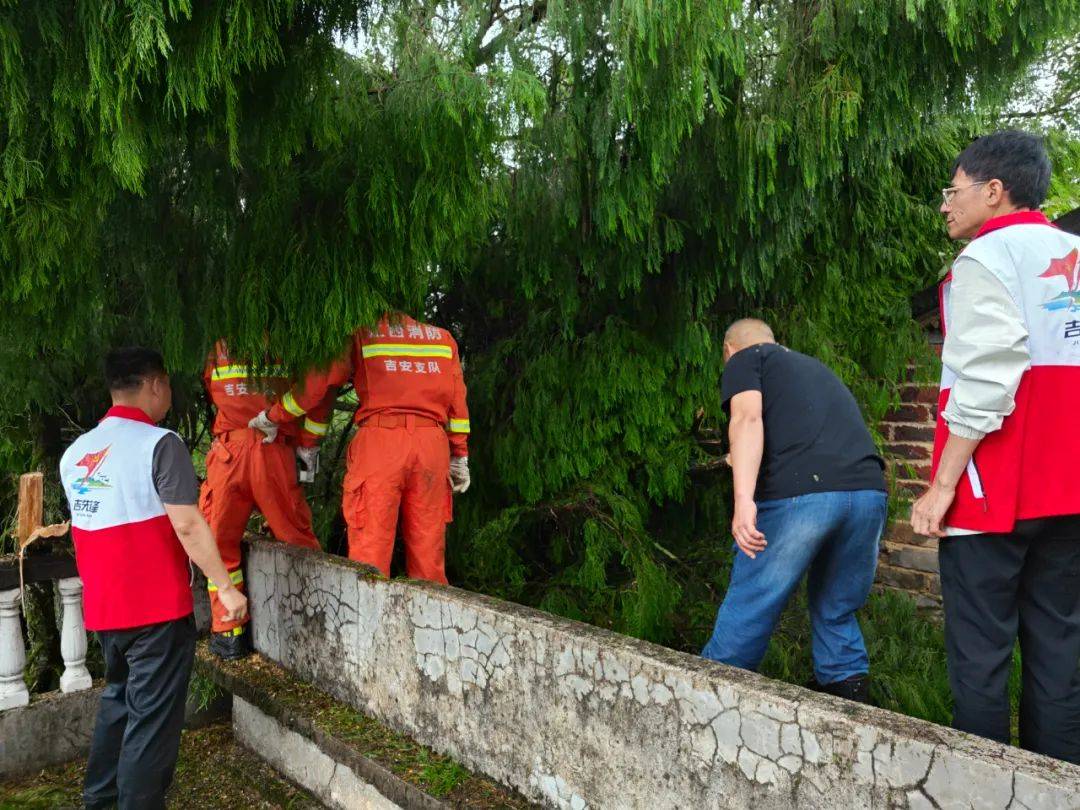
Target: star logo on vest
x,y
1067,268
94,478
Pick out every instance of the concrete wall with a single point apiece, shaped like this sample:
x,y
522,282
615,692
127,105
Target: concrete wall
x,y
53,729
301,760
577,717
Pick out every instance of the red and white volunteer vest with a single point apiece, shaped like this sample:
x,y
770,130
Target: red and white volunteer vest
x,y
133,568
1024,470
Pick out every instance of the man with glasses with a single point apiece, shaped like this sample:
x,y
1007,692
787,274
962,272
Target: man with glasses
x,y
1003,498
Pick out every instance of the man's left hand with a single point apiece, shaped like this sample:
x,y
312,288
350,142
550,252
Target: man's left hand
x,y
459,474
929,510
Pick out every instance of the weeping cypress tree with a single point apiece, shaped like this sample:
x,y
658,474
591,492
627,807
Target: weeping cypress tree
x,y
801,146
585,192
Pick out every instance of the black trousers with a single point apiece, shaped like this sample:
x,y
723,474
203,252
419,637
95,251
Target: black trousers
x,y
137,734
1000,587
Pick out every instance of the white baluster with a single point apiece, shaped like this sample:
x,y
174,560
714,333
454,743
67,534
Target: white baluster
x,y
13,690
73,637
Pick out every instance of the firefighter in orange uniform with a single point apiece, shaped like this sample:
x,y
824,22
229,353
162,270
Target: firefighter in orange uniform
x,y
410,451
248,469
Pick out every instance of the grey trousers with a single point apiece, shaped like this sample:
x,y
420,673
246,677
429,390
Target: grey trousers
x,y
137,734
998,588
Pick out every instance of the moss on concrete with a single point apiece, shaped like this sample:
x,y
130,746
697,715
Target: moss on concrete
x,y
212,772
275,690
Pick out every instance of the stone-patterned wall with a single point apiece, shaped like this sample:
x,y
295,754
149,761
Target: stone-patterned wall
x,y
578,717
908,562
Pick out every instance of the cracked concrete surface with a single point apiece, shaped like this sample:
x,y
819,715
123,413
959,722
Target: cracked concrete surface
x,y
577,717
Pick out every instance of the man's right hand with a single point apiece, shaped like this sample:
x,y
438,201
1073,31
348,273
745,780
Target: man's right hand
x,y
744,528
263,423
234,602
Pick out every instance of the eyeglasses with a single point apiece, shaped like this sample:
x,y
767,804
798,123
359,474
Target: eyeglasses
x,y
947,194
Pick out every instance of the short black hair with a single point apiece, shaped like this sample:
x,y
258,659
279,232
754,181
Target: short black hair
x,y
1017,159
127,367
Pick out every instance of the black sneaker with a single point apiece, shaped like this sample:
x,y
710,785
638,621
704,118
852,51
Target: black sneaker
x,y
856,688
231,644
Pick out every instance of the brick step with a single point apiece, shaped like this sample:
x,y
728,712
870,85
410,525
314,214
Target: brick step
x,y
344,758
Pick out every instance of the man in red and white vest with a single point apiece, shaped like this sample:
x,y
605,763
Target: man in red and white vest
x,y
133,495
1002,498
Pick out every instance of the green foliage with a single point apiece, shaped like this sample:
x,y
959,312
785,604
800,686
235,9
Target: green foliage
x,y
802,152
586,193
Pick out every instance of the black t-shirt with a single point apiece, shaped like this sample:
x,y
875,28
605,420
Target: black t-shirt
x,y
815,437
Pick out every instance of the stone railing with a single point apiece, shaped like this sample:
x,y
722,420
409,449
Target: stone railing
x,y
574,716
76,677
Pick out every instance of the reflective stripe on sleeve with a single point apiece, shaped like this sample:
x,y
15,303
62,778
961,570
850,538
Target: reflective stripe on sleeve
x,y
315,428
459,425
289,403
236,576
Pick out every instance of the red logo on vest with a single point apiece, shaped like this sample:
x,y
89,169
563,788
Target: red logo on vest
x,y
1065,267
91,461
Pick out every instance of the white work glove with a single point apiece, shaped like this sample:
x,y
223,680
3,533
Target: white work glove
x,y
309,459
459,473
262,422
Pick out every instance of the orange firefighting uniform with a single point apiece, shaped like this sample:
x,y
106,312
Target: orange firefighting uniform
x,y
243,473
412,418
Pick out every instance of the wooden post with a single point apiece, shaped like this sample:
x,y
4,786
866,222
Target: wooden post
x,y
31,505
13,691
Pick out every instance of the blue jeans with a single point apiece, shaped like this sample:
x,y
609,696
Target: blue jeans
x,y
831,536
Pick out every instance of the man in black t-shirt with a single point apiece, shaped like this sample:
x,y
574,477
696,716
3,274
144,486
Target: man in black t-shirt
x,y
809,499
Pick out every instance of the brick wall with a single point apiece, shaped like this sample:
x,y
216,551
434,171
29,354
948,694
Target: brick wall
x,y
908,562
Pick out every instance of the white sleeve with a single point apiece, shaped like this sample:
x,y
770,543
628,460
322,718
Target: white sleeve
x,y
986,346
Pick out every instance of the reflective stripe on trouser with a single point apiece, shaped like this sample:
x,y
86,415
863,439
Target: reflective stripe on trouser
x,y
243,474
399,469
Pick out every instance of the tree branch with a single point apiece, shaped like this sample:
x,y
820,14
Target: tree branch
x,y
482,31
1057,109
533,16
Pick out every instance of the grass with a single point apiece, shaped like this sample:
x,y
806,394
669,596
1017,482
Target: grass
x,y
202,691
441,777
60,790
